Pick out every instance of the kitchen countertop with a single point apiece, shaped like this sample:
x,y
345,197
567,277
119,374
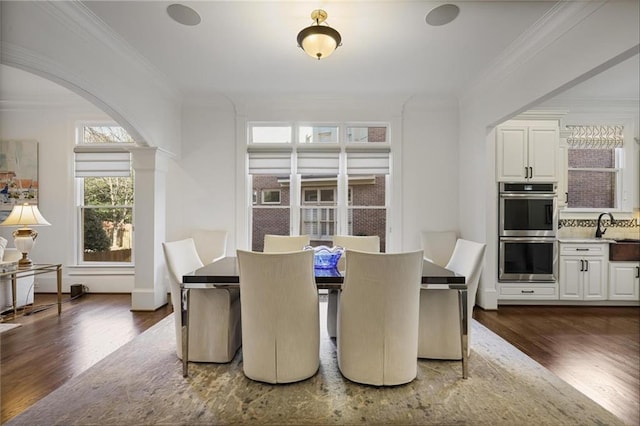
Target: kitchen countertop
x,y
585,240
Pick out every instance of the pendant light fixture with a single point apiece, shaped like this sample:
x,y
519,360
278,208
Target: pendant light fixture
x,y
319,41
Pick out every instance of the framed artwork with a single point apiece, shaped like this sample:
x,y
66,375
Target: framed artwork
x,y
18,174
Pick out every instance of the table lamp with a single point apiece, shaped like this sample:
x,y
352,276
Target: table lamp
x,y
25,215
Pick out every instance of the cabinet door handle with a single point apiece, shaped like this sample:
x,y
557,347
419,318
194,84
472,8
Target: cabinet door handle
x,y
581,265
566,197
526,291
582,249
637,271
526,173
587,264
530,172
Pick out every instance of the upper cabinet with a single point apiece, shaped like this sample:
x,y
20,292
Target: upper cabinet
x,y
527,151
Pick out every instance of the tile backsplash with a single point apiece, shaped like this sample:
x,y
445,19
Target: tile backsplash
x,y
586,228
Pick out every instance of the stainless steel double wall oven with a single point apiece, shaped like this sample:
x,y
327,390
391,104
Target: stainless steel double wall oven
x,y
528,219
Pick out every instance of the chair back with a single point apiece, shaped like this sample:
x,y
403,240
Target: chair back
x,y
468,259
181,257
280,316
211,244
438,245
378,317
368,244
285,243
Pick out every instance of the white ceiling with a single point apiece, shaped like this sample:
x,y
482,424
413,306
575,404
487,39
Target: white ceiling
x,y
244,47
250,47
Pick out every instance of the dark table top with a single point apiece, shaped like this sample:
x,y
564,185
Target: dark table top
x,y
225,273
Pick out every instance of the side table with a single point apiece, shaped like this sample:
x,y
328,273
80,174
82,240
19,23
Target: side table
x,y
33,270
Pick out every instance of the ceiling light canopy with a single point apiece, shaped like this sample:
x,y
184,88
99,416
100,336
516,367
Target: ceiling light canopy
x,y
319,41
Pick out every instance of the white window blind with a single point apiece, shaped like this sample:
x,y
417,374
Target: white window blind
x,y
319,161
102,162
368,161
595,136
269,161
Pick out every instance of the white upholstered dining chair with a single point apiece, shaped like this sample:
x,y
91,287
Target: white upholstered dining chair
x,y
214,314
284,243
439,309
280,316
378,318
211,244
438,245
368,244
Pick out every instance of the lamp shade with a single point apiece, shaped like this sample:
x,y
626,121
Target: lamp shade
x,y
319,41
25,215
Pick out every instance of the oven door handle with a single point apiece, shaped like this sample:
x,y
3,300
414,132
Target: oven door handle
x,y
528,239
529,195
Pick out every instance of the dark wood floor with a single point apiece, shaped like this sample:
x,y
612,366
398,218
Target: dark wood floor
x,y
48,350
596,350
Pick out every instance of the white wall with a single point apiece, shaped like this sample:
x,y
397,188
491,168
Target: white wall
x,y
430,168
210,172
201,187
52,124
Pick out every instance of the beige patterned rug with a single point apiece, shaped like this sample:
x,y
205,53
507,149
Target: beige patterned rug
x,y
141,384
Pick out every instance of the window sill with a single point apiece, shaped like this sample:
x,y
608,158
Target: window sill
x,y
100,270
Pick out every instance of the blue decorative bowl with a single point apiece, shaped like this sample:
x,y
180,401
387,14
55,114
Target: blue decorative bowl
x,y
325,257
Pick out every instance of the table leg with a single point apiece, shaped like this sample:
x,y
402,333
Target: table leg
x,y
184,315
59,278
14,299
464,332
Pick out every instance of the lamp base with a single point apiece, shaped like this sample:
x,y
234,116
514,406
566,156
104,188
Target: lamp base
x,y
24,239
25,261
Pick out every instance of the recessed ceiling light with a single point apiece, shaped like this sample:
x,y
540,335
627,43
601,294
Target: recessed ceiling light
x,y
183,15
442,14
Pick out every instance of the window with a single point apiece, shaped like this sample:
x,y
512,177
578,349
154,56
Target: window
x,y
105,195
328,184
318,212
270,196
595,164
593,177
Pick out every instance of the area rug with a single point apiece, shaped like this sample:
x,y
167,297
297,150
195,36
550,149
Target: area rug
x,y
142,384
7,327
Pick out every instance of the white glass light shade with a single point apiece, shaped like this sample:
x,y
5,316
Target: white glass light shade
x,y
319,45
319,41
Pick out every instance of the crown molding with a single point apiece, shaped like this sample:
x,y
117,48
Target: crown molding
x,y
78,18
562,17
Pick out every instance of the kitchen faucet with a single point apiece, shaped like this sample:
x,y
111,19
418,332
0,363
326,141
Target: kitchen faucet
x,y
600,232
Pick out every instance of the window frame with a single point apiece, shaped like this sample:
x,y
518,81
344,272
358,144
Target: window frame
x,y
263,192
343,192
618,169
80,206
625,185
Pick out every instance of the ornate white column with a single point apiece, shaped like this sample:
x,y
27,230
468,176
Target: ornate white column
x,y
150,171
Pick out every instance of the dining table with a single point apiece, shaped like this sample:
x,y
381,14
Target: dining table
x,y
224,273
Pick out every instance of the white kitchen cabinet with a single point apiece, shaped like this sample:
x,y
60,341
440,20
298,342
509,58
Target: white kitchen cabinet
x,y
527,152
583,271
624,281
563,190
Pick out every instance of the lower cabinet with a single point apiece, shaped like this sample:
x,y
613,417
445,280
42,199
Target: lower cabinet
x,y
583,271
624,281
